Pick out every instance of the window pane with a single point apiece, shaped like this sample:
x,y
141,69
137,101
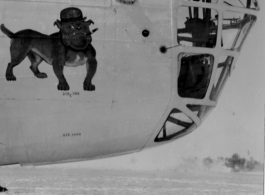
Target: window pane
x,y
250,4
176,125
235,28
195,75
222,73
197,27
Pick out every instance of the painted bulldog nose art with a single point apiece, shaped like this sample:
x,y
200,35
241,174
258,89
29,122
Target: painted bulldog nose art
x,y
71,46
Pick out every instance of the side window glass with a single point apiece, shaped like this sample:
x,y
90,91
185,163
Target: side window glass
x,y
197,27
235,28
194,75
176,125
250,4
222,73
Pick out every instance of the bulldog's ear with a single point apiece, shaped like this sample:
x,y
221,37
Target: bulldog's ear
x,y
58,23
90,22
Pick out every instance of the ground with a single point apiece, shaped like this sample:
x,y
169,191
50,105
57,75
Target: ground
x,y
51,181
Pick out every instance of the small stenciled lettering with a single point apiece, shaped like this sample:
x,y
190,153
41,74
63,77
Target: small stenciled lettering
x,y
69,94
71,134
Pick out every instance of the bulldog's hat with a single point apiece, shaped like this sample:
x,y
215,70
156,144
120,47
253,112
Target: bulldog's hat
x,y
71,14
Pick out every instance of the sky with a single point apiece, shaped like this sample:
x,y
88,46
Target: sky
x,y
236,125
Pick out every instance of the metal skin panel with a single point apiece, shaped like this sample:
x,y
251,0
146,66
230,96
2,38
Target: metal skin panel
x,y
207,104
134,68
12,148
43,125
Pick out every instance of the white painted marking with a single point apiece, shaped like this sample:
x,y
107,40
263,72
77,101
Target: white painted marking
x,y
80,60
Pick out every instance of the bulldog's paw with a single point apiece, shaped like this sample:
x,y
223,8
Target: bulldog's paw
x,y
38,74
10,77
63,87
41,75
89,87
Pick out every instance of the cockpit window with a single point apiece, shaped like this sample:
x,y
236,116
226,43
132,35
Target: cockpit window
x,y
197,27
235,28
194,75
